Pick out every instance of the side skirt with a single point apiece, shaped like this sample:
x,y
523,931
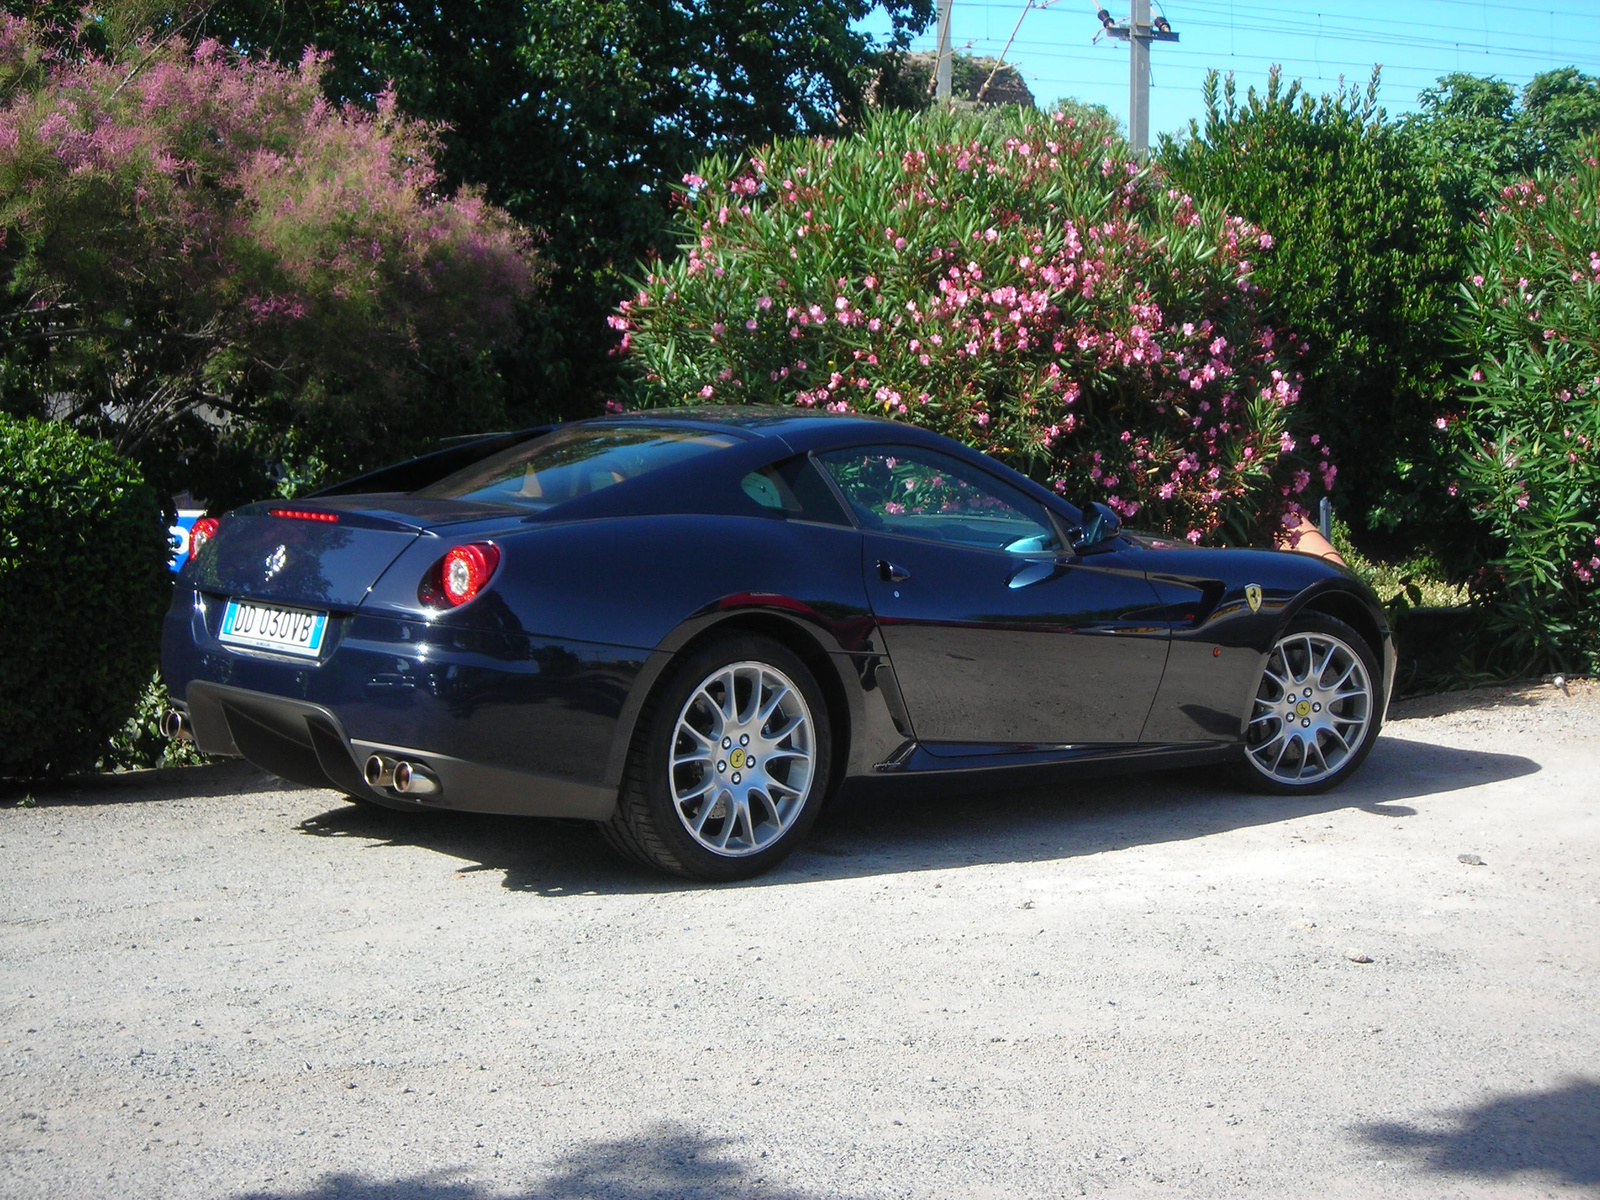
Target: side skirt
x,y
912,771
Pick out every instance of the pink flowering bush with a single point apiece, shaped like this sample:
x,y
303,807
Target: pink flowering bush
x,y
182,228
1529,424
1016,283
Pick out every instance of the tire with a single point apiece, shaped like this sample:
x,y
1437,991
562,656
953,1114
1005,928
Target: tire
x,y
692,803
1317,710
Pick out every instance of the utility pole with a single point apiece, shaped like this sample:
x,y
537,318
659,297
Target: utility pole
x,y
941,71
1139,33
1139,77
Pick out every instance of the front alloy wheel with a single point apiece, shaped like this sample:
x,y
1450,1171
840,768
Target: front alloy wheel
x,y
1316,711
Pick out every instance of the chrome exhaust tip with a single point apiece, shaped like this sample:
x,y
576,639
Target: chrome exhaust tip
x,y
175,726
379,771
413,780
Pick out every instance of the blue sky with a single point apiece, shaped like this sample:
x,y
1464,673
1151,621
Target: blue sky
x,y
1416,41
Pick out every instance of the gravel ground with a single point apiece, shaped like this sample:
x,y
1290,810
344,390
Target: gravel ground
x,y
216,985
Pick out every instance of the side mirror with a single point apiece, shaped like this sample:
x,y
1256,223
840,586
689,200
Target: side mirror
x,y
1102,524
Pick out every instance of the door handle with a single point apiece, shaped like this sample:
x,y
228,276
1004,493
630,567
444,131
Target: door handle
x,y
890,573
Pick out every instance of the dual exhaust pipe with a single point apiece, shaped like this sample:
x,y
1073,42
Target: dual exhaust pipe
x,y
406,778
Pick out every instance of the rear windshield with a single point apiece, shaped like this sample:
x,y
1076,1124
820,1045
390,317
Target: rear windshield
x,y
564,466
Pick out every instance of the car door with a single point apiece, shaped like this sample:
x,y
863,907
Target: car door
x,y
1000,635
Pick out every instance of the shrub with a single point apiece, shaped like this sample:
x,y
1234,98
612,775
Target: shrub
x,y
196,247
1530,422
140,742
1474,136
1365,270
1005,280
83,584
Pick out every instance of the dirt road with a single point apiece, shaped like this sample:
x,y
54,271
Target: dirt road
x,y
220,987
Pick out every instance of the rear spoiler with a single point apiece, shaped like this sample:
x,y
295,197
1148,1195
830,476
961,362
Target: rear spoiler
x,y
428,468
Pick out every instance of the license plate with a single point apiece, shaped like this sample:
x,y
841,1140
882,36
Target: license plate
x,y
267,627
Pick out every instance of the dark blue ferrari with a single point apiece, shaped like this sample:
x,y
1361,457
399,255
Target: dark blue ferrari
x,y
694,627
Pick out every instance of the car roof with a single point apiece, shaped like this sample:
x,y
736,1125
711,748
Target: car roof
x,y
802,430
758,420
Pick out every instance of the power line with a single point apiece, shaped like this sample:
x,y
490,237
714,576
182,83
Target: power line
x,y
1379,38
1371,38
1053,51
1048,49
1277,14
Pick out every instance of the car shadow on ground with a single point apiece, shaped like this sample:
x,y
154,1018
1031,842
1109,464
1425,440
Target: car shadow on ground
x,y
888,835
667,1161
1555,1132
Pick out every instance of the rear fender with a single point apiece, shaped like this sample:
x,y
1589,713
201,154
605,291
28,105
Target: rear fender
x,y
864,704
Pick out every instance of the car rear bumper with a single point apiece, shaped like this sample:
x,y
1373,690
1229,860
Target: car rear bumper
x,y
507,721
305,743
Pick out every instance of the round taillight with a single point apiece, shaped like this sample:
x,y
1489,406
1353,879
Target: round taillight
x,y
466,569
200,533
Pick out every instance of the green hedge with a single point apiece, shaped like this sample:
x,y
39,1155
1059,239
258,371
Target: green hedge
x,y
1364,267
83,584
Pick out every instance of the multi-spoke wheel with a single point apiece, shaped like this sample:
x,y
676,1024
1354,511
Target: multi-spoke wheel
x,y
742,757
1317,709
730,763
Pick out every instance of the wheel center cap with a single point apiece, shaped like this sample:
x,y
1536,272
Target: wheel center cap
x,y
1303,708
736,759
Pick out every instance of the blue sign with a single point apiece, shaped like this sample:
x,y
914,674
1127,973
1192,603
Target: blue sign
x,y
178,536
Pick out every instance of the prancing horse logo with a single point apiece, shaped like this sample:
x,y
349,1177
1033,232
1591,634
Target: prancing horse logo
x,y
1252,596
274,562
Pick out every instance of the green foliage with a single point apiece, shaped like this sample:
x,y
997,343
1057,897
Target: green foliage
x,y
580,116
83,584
140,742
198,254
1009,280
1365,269
1475,137
1416,581
1529,424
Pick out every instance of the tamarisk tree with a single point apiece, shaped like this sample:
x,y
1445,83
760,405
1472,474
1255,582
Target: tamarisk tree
x,y
198,249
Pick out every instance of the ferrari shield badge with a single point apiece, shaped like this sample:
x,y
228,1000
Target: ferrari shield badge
x,y
1252,596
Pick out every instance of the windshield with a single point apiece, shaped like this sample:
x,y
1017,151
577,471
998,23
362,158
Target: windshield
x,y
564,466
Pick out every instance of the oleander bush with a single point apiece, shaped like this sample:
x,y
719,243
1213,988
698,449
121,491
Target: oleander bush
x,y
83,584
1529,420
1014,282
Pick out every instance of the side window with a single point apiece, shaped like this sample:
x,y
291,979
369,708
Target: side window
x,y
793,488
922,493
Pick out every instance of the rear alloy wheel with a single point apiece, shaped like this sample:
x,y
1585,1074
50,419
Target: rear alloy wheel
x,y
1316,712
730,765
